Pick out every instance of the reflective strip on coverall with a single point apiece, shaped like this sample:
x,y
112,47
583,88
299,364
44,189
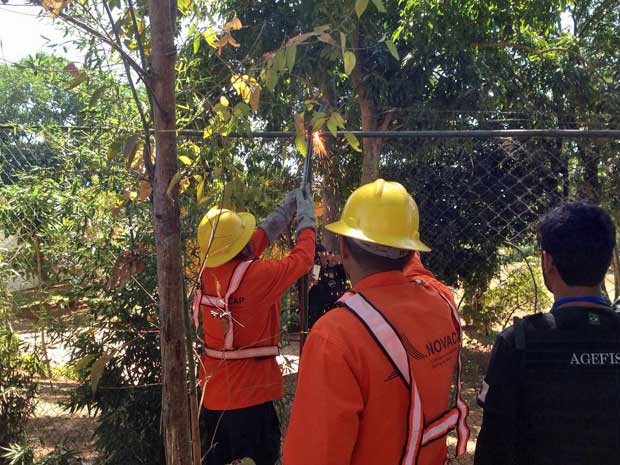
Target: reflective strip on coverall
x,y
419,433
221,304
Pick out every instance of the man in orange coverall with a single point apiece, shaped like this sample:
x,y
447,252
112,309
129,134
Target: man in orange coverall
x,y
239,302
376,374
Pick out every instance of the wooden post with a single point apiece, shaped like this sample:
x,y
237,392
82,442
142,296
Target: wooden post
x,y
175,419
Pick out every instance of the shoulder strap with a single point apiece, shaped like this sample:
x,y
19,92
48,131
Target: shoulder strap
x,y
221,303
381,330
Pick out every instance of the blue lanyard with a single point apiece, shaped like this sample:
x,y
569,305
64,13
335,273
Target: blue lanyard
x,y
594,299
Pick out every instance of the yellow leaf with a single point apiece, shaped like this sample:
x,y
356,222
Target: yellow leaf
x,y
318,209
233,25
200,190
349,62
353,141
301,144
185,160
184,5
173,182
55,7
183,185
233,42
325,37
96,371
299,122
298,39
133,195
255,99
144,190
211,37
224,101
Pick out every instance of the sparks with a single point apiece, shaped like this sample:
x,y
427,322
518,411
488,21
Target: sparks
x,y
318,145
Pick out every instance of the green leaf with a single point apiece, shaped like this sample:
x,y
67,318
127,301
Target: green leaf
x,y
338,119
185,160
291,53
247,461
379,5
173,182
129,148
332,126
322,28
360,7
96,371
353,141
241,110
271,79
301,144
343,42
280,60
349,62
392,48
318,120
96,96
196,43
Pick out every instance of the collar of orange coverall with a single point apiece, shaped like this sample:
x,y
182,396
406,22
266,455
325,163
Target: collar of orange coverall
x,y
387,278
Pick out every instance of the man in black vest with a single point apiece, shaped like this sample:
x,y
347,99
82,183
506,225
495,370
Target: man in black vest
x,y
552,390
330,282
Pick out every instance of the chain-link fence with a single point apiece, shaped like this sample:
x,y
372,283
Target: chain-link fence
x,y
78,261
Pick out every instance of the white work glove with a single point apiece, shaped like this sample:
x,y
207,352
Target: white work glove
x,y
305,209
275,224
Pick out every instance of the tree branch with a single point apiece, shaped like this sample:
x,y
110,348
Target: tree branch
x,y
148,164
527,48
86,28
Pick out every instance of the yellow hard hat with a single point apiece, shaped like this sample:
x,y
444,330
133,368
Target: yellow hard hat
x,y
381,212
222,234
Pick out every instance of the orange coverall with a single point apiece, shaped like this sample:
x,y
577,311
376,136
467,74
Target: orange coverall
x,y
351,406
255,308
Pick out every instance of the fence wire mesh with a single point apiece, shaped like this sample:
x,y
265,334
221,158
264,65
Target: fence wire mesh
x,y
479,202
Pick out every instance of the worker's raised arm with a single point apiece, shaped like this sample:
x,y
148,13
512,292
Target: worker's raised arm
x,y
279,275
324,422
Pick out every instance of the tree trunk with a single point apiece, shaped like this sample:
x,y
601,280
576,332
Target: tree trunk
x,y
369,117
167,226
590,187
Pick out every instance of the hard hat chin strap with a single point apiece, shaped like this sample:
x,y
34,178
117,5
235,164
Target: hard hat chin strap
x,y
381,250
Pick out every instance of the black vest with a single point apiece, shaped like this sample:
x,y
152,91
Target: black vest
x,y
570,387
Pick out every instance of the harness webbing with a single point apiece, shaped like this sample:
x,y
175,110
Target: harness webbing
x,y
220,304
389,341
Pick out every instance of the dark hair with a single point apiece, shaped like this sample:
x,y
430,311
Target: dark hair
x,y
580,237
374,262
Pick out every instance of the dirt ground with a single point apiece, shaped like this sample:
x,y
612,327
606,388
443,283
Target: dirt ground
x,y
53,425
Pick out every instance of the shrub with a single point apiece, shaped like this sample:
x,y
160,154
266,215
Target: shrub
x,y
17,388
519,288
